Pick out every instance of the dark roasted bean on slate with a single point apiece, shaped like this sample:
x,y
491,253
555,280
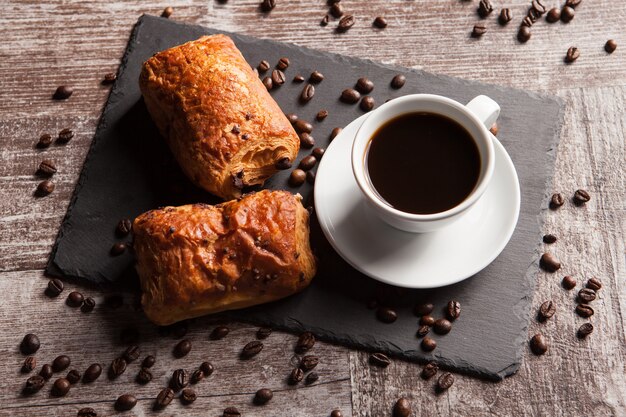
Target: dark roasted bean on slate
x,y
445,381
442,326
423,309
554,15
305,342
350,96
505,16
556,201
75,299
581,196
29,364
594,284
572,55
92,373
380,22
524,34
47,168
398,81
306,140
207,368
335,132
484,8
538,344
179,380
283,163
167,12
283,63
61,387
61,363
572,3
45,140
303,126
231,412
549,239
428,344
316,77
251,349
367,103
422,331
311,378
124,227
164,398
386,315
46,372
586,295
308,362
182,348
298,78
109,78
453,310
430,370
144,376
567,14
34,384
318,153
379,359
125,402
549,262
30,344
268,5
219,332
585,330
73,376
336,10
292,117
568,282
547,310
297,177
87,412
196,376
307,93
117,368
479,30
278,78
427,320
364,85
262,396
307,163
267,82
118,248
402,408
44,188
527,21
62,92
296,376
321,115
263,66
65,135
310,177
610,46
346,23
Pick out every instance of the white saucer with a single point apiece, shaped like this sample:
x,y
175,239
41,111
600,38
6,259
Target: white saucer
x,y
405,259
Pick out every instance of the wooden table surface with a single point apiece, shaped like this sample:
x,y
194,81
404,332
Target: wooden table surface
x,y
46,44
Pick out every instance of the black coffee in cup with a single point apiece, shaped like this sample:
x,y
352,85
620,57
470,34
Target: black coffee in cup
x,y
423,163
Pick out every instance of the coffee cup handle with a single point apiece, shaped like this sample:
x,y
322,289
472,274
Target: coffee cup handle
x,y
486,109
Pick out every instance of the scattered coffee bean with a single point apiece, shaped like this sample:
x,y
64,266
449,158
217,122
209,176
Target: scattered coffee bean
x,y
538,7
379,359
580,196
335,132
268,83
29,364
278,78
336,413
263,396
125,402
568,282
311,378
316,77
594,284
46,372
44,188
298,79
398,81
117,368
427,320
584,330
324,21
55,287
109,78
88,305
34,384
430,370
65,135
292,117
442,326
219,332
524,34
268,5
572,54
336,10
305,342
179,379
610,46
505,16
231,412
196,376
484,8
402,408
75,299
528,21
547,310
556,201
297,177
386,315
118,248
87,412
364,85
350,96
321,115
310,177
61,363
346,23
61,387
167,12
307,163
124,227
73,376
538,344
303,126
453,310
479,30
567,14
423,309
318,153
164,398
445,381
45,140
307,93
132,353
63,92
207,368
380,22
549,262
283,63
428,344
30,344
283,163
586,295
263,66
367,103
92,373
47,168
554,15
308,362
148,362
306,140
251,349
549,239
188,396
263,333
423,330
182,348
296,376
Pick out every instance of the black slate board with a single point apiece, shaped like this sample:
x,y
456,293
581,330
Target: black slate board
x,y
129,170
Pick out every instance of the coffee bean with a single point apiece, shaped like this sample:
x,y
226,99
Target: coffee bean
x,y
445,381
251,349
54,288
336,10
263,333
528,21
505,16
556,201
346,23
117,368
568,282
219,332
586,295
547,310
309,362
302,126
549,239
165,397
427,320
179,379
442,326
207,368
364,85
350,96
321,115
283,63
63,92
581,196
109,78
298,78
231,412
484,8
549,262
125,402
283,163
118,248
335,132
310,177
423,309
318,153
75,299
324,21
73,376
307,93
305,342
46,372
88,305
307,163
268,5
196,376
167,12
572,55
29,364
402,408
316,77
430,370
296,376
188,396
268,83
398,81
594,284
297,177
367,103
45,140
44,188
336,413
278,78
87,412
262,396
61,387
34,384
428,344
380,22
479,30
47,168
453,310
610,46
523,35
263,66
538,344
380,359
538,7
92,373
182,348
292,117
386,315
311,378
423,330
554,15
30,344
567,14
306,140
61,363
65,135
584,330
124,227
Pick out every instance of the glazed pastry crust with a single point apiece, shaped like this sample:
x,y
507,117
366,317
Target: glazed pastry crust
x,y
223,127
199,259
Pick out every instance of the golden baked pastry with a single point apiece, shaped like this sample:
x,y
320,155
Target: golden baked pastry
x,y
224,128
198,259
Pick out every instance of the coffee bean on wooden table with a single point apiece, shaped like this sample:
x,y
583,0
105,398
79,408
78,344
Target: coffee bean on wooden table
x,y
584,310
278,78
88,305
165,397
367,103
453,310
34,384
131,354
594,284
336,10
283,63
117,368
45,140
296,376
316,77
580,196
386,315
65,135
125,402
305,342
46,371
29,364
182,348
380,22
524,34
586,295
422,331
47,168
610,46
61,363
484,8
430,370
479,30
167,12
549,239
335,132
572,55
179,380
547,310
219,332
423,309
92,373
505,16
538,344
87,412
549,262
268,83
263,396
554,15
346,23
231,412
63,92
556,201
44,188
364,85
567,14
109,78
442,326
568,282
75,299
251,349
30,344
350,96
527,21
73,376
268,5
584,330
445,381
427,320
336,413
144,376
118,248
188,396
207,368
307,163
402,408
61,387
196,376
538,7
379,359
398,81
148,361
302,126
428,344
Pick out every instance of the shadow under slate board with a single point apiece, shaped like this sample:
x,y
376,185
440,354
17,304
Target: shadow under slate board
x,y
129,170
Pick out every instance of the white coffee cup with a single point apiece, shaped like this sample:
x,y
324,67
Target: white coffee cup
x,y
476,117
